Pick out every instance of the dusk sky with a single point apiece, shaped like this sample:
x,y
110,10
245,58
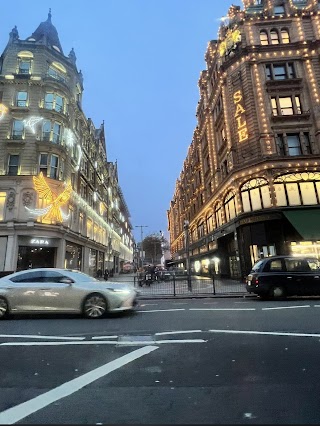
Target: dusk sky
x,y
141,61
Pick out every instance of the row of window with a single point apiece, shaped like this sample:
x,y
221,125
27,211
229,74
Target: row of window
x,y
274,36
52,101
25,64
49,164
290,190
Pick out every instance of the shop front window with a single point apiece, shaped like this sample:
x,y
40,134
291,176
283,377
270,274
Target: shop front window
x,y
297,189
255,195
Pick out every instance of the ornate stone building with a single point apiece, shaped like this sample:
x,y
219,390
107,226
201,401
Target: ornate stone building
x,y
250,185
60,200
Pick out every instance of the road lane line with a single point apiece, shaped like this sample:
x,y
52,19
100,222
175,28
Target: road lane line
x,y
222,309
38,336
271,333
21,411
164,333
104,337
286,307
159,342
317,306
164,310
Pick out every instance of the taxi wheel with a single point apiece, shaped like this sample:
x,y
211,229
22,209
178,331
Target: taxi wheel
x,y
4,308
278,292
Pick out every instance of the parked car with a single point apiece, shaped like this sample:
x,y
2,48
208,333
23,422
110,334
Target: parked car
x,y
281,276
52,290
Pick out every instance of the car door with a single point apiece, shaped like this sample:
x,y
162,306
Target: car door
x,y
22,291
300,275
273,274
56,292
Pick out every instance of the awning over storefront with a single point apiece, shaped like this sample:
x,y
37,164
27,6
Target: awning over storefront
x,y
306,222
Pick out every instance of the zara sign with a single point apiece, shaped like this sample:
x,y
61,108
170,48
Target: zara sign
x,y
39,242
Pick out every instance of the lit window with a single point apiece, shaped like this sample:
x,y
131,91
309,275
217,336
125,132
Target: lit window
x,y
3,196
285,38
13,165
21,99
57,71
297,189
264,40
219,215
274,37
286,105
230,206
255,195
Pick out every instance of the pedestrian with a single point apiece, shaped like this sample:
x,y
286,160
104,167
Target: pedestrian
x,y
106,274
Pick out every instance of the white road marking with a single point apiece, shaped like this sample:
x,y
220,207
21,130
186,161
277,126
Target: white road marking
x,y
150,304
104,337
222,309
21,411
317,306
159,342
285,307
271,333
38,336
177,332
164,310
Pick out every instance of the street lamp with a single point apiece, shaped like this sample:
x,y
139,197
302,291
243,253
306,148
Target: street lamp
x,y
187,244
141,229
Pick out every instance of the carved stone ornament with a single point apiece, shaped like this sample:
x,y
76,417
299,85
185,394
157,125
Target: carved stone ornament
x,y
11,200
27,199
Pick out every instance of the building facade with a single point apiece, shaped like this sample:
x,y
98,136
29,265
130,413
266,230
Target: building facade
x,y
250,184
61,204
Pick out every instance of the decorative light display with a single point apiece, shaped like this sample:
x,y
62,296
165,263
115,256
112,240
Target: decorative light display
x,y
3,110
31,123
242,127
69,137
230,42
52,212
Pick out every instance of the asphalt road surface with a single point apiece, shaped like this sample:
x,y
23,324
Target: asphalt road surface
x,y
239,361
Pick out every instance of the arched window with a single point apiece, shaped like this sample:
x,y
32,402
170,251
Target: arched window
x,y
264,40
200,229
57,71
210,222
274,35
218,212
230,206
285,38
255,195
297,189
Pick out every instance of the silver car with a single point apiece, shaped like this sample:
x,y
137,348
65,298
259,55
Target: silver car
x,y
52,290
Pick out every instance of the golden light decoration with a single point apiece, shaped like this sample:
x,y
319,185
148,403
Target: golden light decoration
x,y
53,210
3,110
230,41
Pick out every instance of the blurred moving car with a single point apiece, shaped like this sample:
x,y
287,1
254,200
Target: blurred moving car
x,y
281,276
52,290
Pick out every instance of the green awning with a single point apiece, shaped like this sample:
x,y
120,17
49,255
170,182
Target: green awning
x,y
306,222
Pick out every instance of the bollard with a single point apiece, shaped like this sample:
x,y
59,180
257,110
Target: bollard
x,y
214,285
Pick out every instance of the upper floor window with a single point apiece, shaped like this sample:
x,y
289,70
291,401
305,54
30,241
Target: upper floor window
x,y
286,105
54,102
285,38
280,71
210,222
3,196
49,165
218,211
13,165
18,129
57,71
24,62
22,99
279,10
292,144
51,131
274,37
255,195
264,39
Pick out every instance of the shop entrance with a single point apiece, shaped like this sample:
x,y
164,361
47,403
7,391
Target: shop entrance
x,y
36,257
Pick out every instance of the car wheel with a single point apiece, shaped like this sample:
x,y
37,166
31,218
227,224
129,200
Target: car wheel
x,y
4,308
94,306
278,292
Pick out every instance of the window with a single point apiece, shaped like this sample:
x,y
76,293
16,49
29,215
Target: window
x,y
54,166
219,215
280,71
264,40
54,102
286,105
297,265
297,189
255,195
13,165
3,196
51,132
274,266
210,222
56,133
43,164
58,72
274,35
18,129
293,144
279,10
22,99
24,66
285,38
201,229
230,206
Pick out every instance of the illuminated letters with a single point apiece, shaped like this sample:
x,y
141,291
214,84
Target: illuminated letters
x,y
240,117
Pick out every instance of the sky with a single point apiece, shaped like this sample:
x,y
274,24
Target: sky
x,y
141,61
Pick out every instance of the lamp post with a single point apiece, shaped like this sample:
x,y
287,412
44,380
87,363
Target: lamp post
x,y
141,229
187,244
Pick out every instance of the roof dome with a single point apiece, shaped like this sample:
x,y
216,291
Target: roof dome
x,y
47,31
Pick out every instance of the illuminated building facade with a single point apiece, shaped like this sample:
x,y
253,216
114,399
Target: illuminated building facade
x,y
250,184
61,204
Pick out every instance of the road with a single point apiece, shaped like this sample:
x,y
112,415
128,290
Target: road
x,y
200,361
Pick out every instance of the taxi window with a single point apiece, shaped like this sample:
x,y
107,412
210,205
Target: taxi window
x,y
274,265
297,265
314,264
